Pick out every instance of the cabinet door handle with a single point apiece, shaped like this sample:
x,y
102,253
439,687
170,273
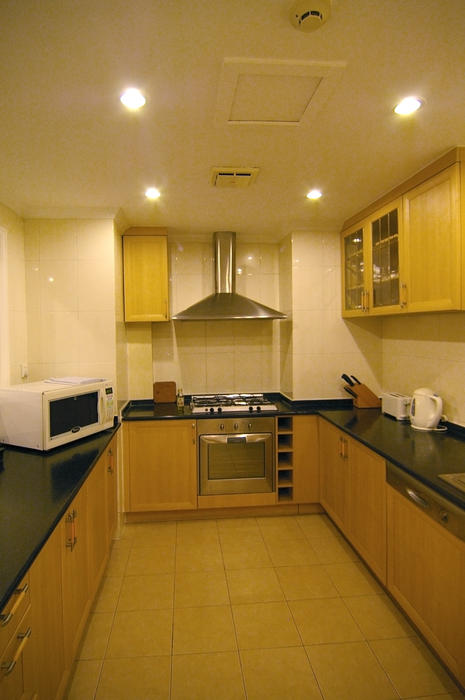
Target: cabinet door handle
x,y
20,592
367,301
7,667
416,498
193,433
403,295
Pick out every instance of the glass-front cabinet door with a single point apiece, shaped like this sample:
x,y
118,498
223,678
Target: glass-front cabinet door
x,y
371,264
354,292
385,272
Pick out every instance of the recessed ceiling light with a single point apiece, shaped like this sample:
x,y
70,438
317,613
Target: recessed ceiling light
x,y
314,194
132,98
408,105
152,193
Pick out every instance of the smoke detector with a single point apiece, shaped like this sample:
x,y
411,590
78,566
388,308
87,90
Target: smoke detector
x,y
308,15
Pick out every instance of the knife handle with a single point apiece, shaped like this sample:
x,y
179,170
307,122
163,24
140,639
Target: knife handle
x,y
357,381
347,379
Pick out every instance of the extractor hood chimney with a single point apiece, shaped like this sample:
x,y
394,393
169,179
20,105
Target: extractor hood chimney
x,y
225,303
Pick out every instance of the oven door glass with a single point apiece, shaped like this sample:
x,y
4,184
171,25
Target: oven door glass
x,y
236,463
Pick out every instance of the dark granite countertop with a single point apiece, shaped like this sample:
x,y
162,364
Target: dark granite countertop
x,y
422,454
36,488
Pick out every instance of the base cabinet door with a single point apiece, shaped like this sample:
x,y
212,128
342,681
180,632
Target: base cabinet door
x,y
306,459
47,620
96,525
160,465
366,526
334,454
74,575
426,574
353,493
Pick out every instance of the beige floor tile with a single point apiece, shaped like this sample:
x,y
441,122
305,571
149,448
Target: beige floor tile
x,y
141,633
324,620
142,678
107,598
157,559
154,534
197,588
378,617
254,585
349,671
295,552
299,582
197,532
234,524
316,525
279,527
352,578
96,636
149,592
245,552
265,625
118,561
215,676
279,674
203,629
411,667
85,679
333,550
204,556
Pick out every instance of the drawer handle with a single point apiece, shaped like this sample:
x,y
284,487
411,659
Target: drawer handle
x,y
20,592
8,667
417,499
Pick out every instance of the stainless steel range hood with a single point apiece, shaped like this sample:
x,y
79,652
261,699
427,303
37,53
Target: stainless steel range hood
x,y
225,303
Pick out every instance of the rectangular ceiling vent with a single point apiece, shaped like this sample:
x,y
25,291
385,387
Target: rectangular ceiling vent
x,y
233,177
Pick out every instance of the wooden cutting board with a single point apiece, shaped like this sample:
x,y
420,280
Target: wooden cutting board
x,y
164,392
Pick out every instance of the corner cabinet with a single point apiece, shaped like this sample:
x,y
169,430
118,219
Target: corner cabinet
x,y
145,263
403,254
160,466
353,493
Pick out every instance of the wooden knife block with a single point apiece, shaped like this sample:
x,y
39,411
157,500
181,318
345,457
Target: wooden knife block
x,y
365,398
164,392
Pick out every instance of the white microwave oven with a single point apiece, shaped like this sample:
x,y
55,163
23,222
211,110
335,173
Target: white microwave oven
x,y
43,415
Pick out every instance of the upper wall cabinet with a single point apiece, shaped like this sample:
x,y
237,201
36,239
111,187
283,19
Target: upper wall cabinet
x,y
145,260
403,254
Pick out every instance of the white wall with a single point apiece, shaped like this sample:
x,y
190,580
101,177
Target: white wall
x,y
427,350
16,352
322,344
70,287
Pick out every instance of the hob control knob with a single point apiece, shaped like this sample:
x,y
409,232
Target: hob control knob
x,y
220,410
211,409
250,409
259,408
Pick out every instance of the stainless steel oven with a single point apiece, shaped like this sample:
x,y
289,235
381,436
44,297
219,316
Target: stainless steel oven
x,y
236,455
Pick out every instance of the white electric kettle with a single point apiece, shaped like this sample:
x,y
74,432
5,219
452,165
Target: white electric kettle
x,y
425,409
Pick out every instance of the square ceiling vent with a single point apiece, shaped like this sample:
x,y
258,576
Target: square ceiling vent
x,y
233,177
266,91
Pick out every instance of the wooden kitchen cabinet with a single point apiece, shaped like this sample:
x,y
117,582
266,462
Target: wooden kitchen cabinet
x,y
334,453
160,465
431,244
16,661
145,262
47,620
403,253
426,575
353,493
74,570
306,459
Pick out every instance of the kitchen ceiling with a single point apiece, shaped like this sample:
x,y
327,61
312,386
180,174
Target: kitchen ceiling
x,y
70,148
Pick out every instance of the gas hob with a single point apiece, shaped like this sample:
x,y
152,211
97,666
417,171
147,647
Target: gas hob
x,y
231,403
